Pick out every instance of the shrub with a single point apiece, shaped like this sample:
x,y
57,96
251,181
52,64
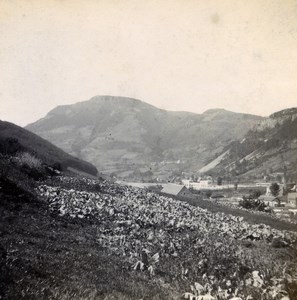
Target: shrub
x,y
27,159
4,166
10,146
254,204
208,194
57,166
275,189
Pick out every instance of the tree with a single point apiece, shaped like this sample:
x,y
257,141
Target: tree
x,y
254,204
274,189
208,194
279,178
219,181
235,186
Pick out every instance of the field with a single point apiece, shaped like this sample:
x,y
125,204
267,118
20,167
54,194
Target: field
x,y
251,217
77,238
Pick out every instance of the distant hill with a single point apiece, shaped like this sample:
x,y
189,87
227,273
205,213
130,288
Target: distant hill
x,y
14,139
133,139
269,147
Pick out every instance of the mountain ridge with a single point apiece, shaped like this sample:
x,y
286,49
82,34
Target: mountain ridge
x,y
131,138
97,98
268,147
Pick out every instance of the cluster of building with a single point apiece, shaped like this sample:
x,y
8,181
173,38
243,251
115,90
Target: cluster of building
x,y
290,199
284,205
199,184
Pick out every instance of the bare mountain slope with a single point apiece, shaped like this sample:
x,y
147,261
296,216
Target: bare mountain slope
x,y
269,147
132,138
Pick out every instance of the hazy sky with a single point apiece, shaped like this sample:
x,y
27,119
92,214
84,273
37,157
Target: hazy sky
x,y
188,55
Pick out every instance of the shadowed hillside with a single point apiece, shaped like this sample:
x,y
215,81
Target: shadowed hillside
x,y
15,140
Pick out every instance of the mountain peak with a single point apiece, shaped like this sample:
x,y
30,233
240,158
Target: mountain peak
x,y
127,136
216,111
112,98
108,99
285,112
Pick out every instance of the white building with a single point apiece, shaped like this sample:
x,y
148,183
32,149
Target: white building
x,y
202,184
292,199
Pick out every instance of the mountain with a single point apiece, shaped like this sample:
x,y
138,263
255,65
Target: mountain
x,y
15,140
133,139
268,148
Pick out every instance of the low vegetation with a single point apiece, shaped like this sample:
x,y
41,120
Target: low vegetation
x,y
15,141
28,160
64,237
254,204
77,238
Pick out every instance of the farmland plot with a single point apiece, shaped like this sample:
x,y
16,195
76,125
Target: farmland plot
x,y
199,254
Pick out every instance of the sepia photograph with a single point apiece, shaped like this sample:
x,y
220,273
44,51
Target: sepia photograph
x,y
148,149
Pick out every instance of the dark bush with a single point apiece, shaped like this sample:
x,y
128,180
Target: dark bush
x,y
57,166
35,174
274,188
10,188
208,194
10,146
254,204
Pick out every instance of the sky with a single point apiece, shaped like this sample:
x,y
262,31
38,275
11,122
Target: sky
x,y
188,55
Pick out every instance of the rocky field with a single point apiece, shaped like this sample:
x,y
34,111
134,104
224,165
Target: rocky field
x,y
87,239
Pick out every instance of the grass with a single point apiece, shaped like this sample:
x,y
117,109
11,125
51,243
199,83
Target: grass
x,y
47,256
44,256
250,217
16,139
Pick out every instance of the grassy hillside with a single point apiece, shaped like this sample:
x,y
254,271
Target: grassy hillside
x,y
64,237
131,138
46,256
76,238
14,139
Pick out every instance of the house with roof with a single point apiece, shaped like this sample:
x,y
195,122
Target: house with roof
x,y
292,199
272,201
176,190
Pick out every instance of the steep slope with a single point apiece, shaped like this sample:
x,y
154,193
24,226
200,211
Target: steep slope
x,y
270,147
132,138
15,139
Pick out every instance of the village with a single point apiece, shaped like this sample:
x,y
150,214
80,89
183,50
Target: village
x,y
277,196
